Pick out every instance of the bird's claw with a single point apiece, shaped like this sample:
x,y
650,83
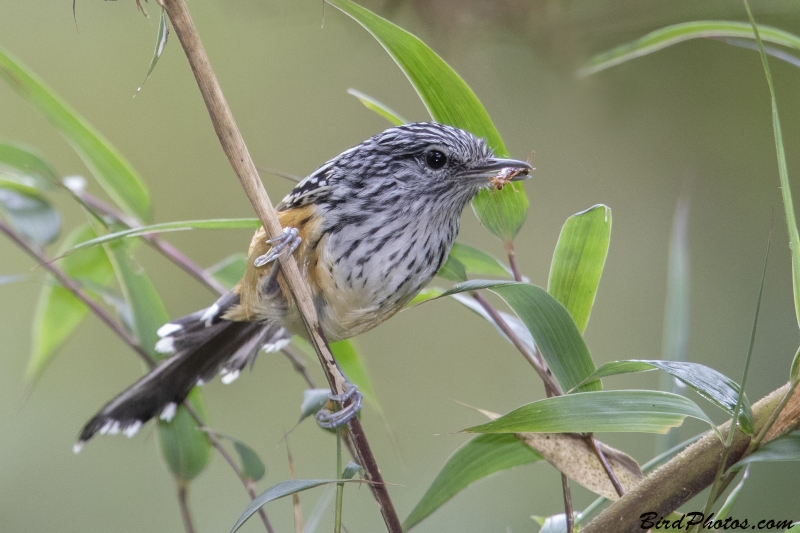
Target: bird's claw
x,y
288,237
331,420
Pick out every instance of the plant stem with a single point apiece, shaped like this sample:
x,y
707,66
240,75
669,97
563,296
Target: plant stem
x,y
337,523
235,149
299,367
183,502
568,512
592,442
169,251
512,261
72,286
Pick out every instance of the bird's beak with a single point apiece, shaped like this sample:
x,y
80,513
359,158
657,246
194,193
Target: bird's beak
x,y
505,169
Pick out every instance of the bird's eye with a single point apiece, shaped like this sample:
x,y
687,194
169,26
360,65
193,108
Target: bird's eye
x,y
435,159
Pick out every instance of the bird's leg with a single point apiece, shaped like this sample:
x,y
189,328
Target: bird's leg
x,y
329,420
288,237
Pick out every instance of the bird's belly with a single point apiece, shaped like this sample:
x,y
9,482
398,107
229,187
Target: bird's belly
x,y
370,284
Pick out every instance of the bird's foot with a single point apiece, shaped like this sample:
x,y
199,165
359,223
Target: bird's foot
x,y
330,420
288,237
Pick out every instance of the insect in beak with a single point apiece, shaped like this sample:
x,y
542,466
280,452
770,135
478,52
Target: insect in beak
x,y
501,171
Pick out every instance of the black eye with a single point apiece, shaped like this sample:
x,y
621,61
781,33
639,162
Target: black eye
x,y
435,159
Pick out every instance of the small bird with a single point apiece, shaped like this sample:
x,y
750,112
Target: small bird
x,y
369,229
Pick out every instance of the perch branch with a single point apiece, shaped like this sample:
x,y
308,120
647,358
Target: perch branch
x,y
235,149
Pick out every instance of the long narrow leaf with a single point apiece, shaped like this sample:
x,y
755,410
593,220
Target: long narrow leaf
x,y
449,100
28,211
478,458
678,33
280,490
58,311
584,412
161,44
378,107
219,223
715,387
578,261
29,163
786,448
111,170
551,326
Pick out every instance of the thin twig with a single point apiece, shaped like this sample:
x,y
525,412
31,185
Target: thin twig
x,y
169,251
299,367
183,502
72,286
247,483
512,261
298,509
592,442
235,149
568,512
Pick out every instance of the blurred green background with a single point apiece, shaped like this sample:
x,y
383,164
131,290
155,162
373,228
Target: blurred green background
x,y
694,117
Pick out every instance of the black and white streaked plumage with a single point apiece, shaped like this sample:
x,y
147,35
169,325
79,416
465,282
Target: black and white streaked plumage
x,y
369,230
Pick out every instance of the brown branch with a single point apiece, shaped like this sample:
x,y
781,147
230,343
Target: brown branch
x,y
183,503
694,469
72,286
169,251
235,149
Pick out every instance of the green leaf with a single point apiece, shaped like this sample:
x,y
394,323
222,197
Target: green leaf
x,y
374,105
786,448
219,223
551,326
185,449
478,458
58,311
587,412
161,44
111,170
28,162
678,33
430,293
351,469
280,490
795,368
783,172
479,263
28,211
715,387
449,100
578,261
230,270
313,401
252,466
352,364
453,270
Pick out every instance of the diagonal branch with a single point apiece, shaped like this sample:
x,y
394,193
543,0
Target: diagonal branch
x,y
235,149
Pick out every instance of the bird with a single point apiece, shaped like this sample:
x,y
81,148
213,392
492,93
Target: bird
x,y
369,229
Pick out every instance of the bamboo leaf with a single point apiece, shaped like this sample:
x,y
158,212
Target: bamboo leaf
x,y
678,33
230,270
351,470
109,168
551,327
161,44
786,448
476,459
449,100
28,211
28,162
578,261
479,263
453,270
352,364
715,387
587,412
219,223
58,311
313,401
280,490
374,105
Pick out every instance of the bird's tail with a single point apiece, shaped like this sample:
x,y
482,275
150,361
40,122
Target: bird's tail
x,y
202,345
